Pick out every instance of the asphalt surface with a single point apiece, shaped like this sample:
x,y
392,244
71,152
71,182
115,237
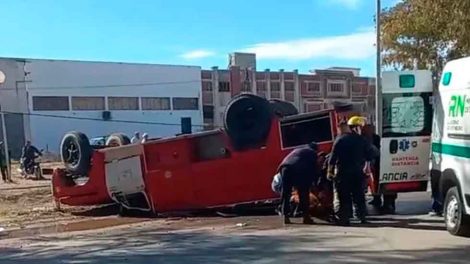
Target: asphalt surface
x,y
410,236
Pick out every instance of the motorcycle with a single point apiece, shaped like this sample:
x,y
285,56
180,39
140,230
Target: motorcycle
x,y
33,168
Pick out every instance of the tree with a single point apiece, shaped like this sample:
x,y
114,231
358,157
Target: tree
x,y
425,34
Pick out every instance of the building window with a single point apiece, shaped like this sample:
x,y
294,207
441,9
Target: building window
x,y
207,86
183,103
123,103
289,86
275,95
206,74
356,88
275,87
275,90
224,86
92,103
51,103
208,111
336,87
313,87
312,107
246,86
288,76
156,103
275,76
261,88
289,96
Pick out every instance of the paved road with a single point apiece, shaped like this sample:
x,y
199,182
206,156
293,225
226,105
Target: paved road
x,y
409,237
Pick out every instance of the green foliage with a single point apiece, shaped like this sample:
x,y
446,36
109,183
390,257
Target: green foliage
x,y
425,33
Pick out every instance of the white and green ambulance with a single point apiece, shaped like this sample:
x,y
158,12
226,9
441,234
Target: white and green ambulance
x,y
451,145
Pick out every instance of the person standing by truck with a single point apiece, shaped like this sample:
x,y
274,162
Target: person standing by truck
x,y
3,163
299,169
388,205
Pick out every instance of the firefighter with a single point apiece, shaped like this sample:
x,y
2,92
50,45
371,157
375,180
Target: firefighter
x,y
349,155
374,139
299,169
388,205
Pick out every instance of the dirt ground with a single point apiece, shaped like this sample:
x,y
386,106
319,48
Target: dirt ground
x,y
27,202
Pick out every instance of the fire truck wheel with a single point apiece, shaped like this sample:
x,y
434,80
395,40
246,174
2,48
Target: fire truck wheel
x,y
117,139
247,121
123,211
283,108
340,107
76,153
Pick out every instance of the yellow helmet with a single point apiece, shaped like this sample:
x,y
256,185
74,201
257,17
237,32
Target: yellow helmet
x,y
356,121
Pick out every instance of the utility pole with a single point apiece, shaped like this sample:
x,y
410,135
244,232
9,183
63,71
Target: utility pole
x,y
4,132
378,80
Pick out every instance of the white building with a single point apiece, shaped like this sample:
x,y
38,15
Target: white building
x,y
46,98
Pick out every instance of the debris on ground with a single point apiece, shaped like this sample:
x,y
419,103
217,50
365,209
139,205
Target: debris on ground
x,y
26,202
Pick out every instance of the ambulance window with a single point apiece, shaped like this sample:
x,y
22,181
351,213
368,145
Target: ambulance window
x,y
407,114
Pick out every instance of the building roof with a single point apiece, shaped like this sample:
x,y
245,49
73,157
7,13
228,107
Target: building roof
x,y
91,61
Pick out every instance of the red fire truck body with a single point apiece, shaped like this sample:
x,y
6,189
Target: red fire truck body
x,y
187,172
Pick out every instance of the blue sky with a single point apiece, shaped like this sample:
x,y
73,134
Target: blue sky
x,y
300,34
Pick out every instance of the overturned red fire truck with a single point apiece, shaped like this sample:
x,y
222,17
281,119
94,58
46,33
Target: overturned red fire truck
x,y
224,167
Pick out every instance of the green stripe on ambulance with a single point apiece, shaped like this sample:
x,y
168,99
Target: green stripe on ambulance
x,y
458,151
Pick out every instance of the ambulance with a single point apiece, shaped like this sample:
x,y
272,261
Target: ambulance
x,y
451,145
406,125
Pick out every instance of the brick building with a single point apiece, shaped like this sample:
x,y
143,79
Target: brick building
x,y
308,92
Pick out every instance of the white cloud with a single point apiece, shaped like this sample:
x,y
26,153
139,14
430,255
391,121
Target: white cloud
x,y
197,54
352,4
355,46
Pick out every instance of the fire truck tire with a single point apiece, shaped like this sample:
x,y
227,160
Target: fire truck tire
x,y
247,121
283,108
75,152
123,211
117,139
339,106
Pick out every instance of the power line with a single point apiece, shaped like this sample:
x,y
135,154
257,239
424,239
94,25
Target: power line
x,y
104,86
97,119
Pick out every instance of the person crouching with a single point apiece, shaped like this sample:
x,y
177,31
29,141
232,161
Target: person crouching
x,y
298,169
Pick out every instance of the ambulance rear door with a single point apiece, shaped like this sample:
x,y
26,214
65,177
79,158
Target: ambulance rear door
x,y
406,131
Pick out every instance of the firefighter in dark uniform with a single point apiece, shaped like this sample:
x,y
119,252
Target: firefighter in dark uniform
x,y
374,139
299,169
349,155
388,205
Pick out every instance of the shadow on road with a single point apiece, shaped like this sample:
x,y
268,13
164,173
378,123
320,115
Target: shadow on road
x,y
409,223
141,247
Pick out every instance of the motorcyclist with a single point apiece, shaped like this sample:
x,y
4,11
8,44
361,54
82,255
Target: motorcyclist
x,y
28,155
349,155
